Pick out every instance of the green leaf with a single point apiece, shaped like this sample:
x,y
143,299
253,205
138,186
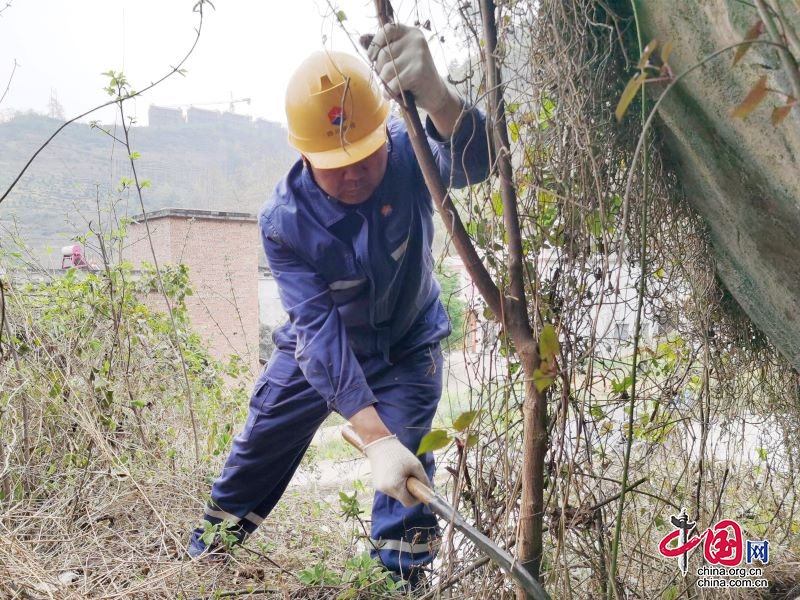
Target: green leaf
x,y
341,16
547,108
762,454
628,94
648,50
465,419
497,204
596,412
620,386
671,593
134,155
542,379
548,343
472,439
594,223
513,131
349,505
434,440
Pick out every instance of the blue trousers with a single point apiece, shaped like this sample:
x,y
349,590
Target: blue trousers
x,y
284,414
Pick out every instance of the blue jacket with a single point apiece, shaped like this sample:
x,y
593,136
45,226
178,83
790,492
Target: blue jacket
x,y
357,281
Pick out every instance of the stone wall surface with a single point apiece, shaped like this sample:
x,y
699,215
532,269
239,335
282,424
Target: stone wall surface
x,y
741,175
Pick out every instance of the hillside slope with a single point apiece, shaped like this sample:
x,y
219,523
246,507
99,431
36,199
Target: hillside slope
x,y
228,164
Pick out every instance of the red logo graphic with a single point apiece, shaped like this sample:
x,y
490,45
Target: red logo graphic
x,y
336,115
723,543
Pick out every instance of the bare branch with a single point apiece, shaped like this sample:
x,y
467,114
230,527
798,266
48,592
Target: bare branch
x,y
172,71
10,79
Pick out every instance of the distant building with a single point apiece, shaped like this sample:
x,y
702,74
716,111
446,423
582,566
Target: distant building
x,y
161,117
202,116
221,250
609,322
270,127
237,120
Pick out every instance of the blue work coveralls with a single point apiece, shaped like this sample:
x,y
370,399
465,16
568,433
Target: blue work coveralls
x,y
365,322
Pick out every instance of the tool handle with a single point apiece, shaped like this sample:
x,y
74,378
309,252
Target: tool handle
x,y
416,488
441,508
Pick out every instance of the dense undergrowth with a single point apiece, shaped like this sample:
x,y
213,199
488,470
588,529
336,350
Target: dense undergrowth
x,y
106,454
113,415
114,418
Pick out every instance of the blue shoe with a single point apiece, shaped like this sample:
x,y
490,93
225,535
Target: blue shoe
x,y
198,549
415,581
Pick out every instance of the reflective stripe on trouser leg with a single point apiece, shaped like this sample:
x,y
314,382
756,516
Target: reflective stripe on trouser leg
x,y
408,393
284,414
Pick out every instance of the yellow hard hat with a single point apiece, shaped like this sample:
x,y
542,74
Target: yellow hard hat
x,y
335,111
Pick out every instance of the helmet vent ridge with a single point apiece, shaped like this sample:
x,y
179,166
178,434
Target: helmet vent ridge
x,y
325,83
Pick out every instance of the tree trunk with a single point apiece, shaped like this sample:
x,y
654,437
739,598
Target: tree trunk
x,y
534,446
515,316
509,304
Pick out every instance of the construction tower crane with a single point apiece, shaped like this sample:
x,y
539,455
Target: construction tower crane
x,y
231,103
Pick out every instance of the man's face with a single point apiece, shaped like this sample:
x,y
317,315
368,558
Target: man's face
x,y
354,183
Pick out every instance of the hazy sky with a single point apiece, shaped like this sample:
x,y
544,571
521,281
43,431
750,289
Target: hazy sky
x,y
247,49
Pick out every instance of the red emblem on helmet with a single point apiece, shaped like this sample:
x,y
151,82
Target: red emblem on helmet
x,y
336,115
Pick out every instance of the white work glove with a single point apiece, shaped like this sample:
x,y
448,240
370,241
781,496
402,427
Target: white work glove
x,y
392,464
404,62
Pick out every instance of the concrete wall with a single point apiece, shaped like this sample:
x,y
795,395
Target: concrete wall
x,y
271,309
741,175
611,325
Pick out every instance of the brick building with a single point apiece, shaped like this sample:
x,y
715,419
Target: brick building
x,y
221,250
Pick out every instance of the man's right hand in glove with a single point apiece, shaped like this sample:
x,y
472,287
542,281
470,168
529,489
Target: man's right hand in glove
x,y
391,462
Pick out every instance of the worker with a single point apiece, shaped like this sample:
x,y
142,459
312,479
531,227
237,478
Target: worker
x,y
347,234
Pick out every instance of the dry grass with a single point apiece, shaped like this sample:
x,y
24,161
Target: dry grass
x,y
102,492
122,535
